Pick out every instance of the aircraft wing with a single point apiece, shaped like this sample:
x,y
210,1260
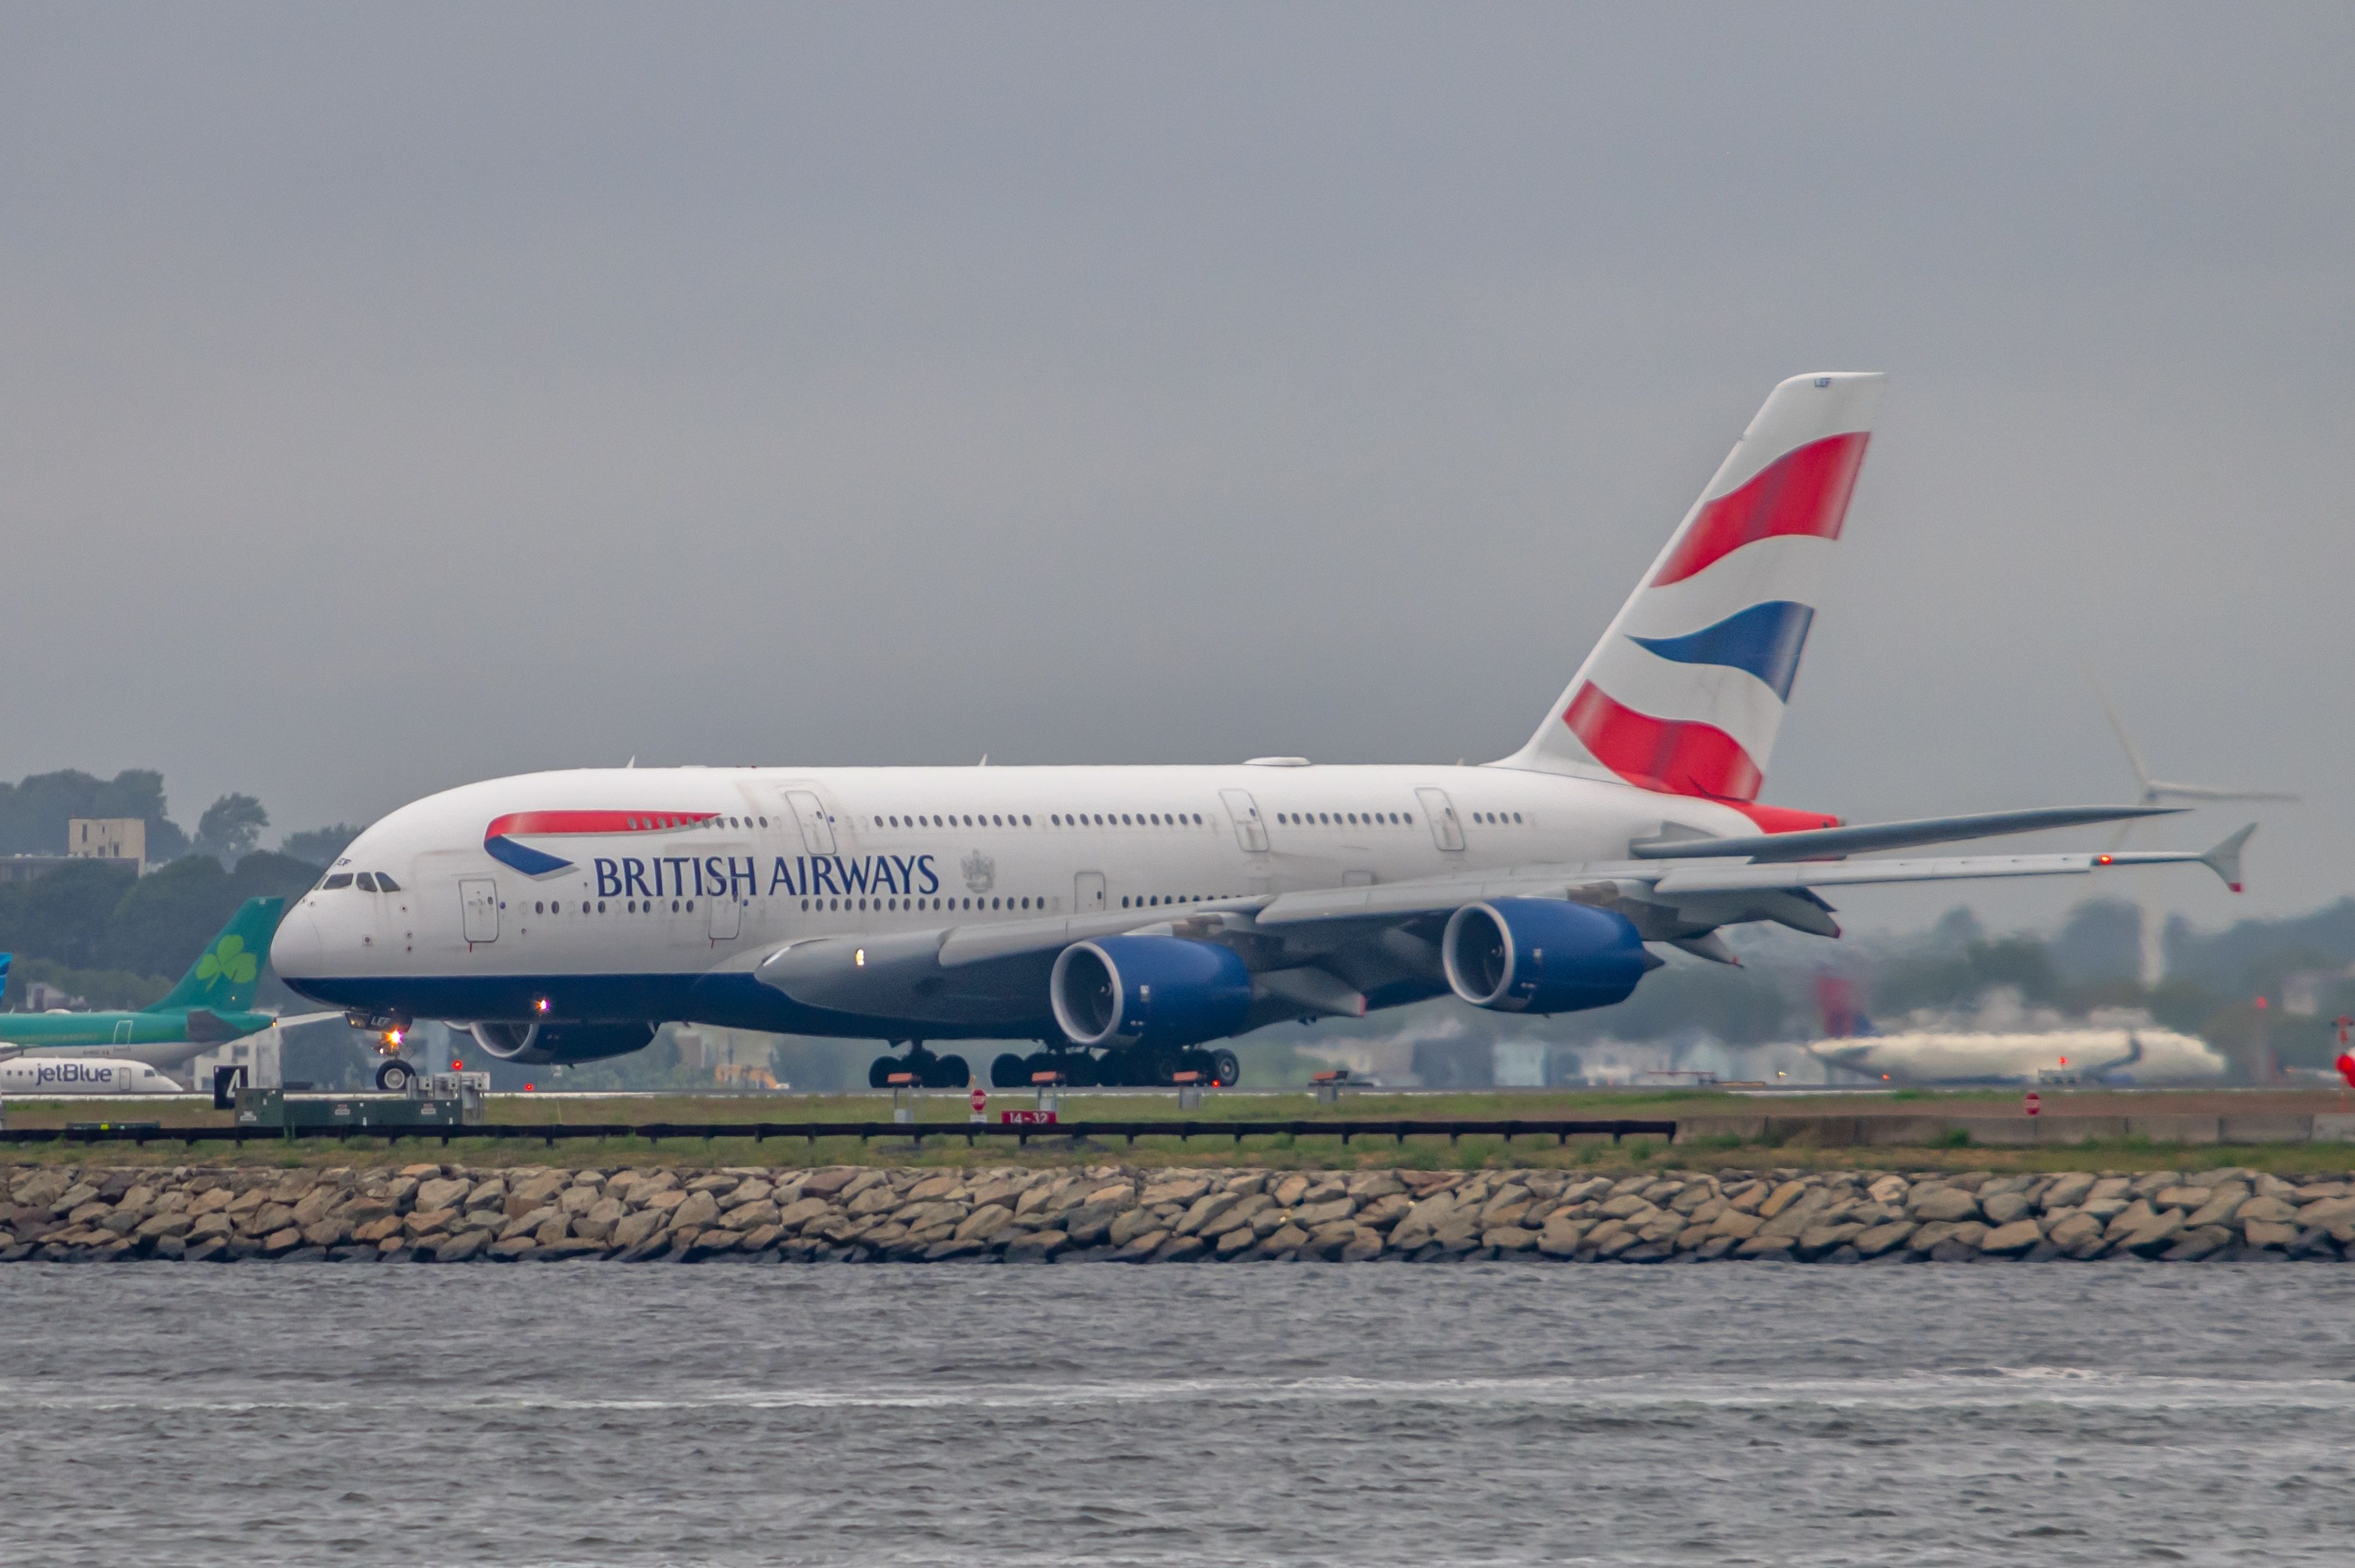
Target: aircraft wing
x,y
953,971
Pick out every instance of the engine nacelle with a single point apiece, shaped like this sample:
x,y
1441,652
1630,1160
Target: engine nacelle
x,y
541,1045
1156,990
1541,955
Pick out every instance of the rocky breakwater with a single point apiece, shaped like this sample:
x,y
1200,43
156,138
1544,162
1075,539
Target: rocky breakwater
x,y
452,1214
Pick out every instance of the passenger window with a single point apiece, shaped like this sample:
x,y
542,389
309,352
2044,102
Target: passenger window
x,y
340,880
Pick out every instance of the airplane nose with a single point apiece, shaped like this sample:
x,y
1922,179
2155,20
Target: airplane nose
x,y
295,951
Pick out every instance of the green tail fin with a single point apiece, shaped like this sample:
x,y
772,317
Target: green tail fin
x,y
223,977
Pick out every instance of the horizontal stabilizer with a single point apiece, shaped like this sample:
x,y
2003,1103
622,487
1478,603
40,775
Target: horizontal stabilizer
x,y
1824,843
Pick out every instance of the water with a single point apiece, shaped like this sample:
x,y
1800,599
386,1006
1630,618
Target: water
x,y
601,1415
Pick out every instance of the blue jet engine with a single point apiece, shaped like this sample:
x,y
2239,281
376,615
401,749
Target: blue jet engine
x,y
1541,955
542,1044
1149,990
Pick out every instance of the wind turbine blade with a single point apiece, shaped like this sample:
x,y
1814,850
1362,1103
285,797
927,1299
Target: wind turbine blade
x,y
2118,727
2159,787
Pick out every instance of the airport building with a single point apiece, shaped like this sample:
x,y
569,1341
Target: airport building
x,y
122,840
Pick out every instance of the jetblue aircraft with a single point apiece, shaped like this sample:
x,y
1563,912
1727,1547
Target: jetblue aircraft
x,y
1129,919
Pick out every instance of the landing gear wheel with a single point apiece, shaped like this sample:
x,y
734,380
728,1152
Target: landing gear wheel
x,y
395,1076
1009,1072
1151,1066
1081,1071
879,1070
1226,1069
947,1073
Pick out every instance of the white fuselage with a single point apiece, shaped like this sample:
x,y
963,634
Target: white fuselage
x,y
676,872
80,1074
2152,1055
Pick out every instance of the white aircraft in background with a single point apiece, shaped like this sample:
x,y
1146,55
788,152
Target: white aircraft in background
x,y
40,1076
1128,919
2120,1055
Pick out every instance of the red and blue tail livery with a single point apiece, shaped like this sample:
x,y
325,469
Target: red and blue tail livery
x,y
502,839
1686,690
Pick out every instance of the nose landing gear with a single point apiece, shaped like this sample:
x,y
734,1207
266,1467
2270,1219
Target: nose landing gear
x,y
396,1076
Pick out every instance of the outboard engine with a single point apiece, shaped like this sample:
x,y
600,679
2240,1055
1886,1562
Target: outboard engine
x,y
1541,955
540,1044
1150,990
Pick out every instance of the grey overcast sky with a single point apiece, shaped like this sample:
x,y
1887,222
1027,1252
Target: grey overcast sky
x,y
394,396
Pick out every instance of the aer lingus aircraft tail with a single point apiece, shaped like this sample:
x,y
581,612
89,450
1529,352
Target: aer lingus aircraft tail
x,y
223,978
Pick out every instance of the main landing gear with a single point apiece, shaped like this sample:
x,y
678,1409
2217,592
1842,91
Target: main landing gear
x,y
1134,1067
931,1071
396,1076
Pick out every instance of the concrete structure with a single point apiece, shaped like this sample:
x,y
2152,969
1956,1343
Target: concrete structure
x,y
119,839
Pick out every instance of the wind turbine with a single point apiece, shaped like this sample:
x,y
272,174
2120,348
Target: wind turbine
x,y
2162,792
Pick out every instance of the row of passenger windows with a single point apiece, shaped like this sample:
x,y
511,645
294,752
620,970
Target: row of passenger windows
x,y
892,905
366,881
1142,901
1054,819
634,906
1346,818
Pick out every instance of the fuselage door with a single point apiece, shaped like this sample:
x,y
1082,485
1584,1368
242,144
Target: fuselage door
x,y
479,898
1251,832
726,917
1088,893
123,1031
817,832
1446,829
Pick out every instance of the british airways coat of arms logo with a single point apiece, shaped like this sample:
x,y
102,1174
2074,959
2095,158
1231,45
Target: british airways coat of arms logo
x,y
980,872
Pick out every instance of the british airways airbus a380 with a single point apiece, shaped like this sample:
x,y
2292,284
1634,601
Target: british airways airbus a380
x,y
1127,919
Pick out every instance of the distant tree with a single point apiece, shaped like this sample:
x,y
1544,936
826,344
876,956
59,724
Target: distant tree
x,y
319,846
34,812
230,828
164,920
64,915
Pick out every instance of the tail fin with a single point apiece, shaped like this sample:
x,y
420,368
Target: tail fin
x,y
1685,691
223,978
1841,1009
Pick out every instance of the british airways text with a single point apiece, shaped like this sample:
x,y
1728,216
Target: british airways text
x,y
730,875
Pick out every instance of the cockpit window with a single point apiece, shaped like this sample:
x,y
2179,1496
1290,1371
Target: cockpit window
x,y
385,884
340,880
367,880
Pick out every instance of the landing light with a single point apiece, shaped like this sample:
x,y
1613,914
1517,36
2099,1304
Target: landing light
x,y
392,1038
541,1005
858,959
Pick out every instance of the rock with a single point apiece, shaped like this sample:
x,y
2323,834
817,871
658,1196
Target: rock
x,y
2015,1237
1036,1246
1203,1212
1817,1240
633,1230
2266,1232
425,1222
2075,1230
1947,1204
699,1209
457,1249
1506,1239
2067,1192
2156,1235
280,1241
1875,1240
1764,1247
2220,1209
1183,1189
2194,1244
2271,1211
1736,1223
442,1192
2005,1207
1782,1198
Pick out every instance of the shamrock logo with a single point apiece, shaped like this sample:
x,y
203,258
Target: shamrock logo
x,y
230,961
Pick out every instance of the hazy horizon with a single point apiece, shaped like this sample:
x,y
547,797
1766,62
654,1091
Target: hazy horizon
x,y
401,398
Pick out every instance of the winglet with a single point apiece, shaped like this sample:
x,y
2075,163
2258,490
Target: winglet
x,y
2225,859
